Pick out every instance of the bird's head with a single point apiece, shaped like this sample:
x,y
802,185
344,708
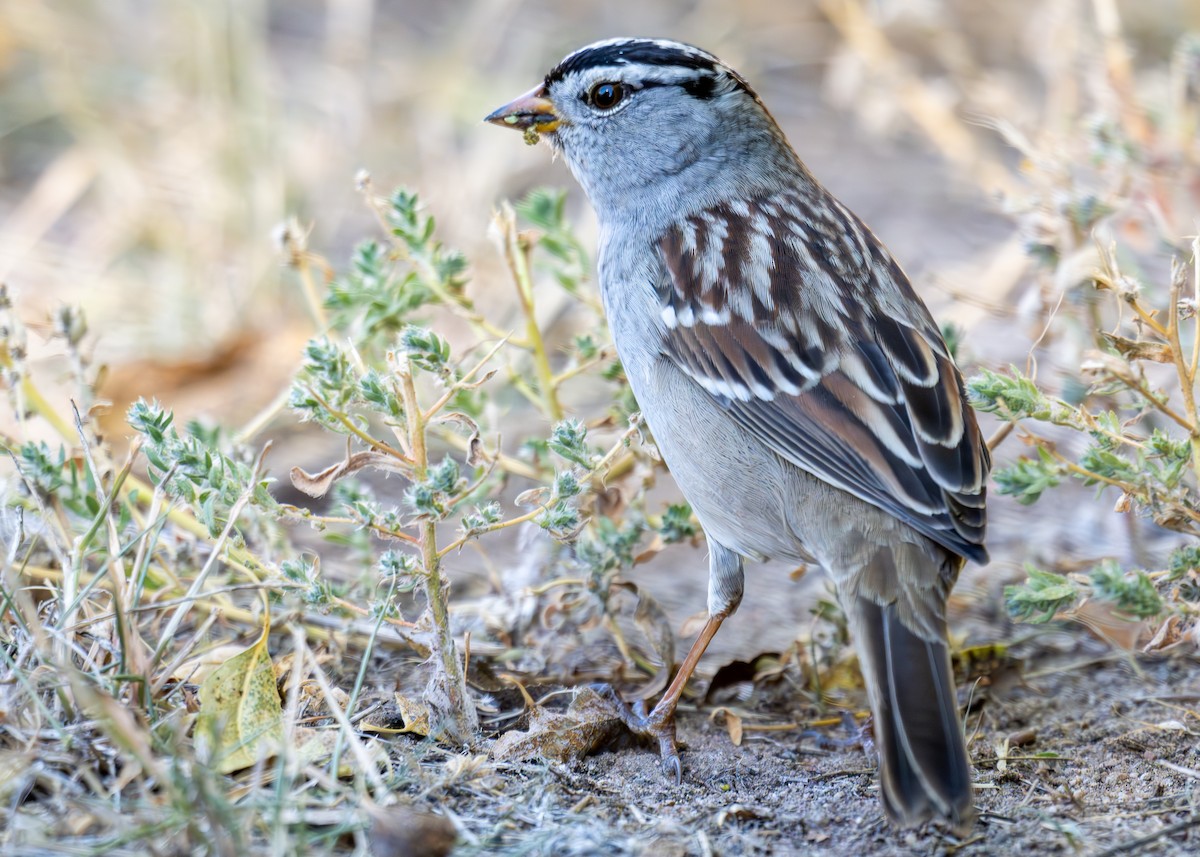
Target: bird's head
x,y
640,119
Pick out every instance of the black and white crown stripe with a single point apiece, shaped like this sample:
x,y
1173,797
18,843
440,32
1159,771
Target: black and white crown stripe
x,y
662,62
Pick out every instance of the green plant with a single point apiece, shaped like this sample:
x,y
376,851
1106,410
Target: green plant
x,y
202,535
1127,421
396,389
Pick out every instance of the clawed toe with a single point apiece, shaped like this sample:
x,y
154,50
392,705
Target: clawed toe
x,y
658,724
671,767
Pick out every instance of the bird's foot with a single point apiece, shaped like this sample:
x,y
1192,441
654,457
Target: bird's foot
x,y
658,724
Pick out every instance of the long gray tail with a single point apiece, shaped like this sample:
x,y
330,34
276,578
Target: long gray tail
x,y
923,765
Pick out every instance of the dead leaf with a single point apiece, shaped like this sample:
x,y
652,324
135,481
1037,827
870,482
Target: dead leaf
x,y
15,771
733,724
312,702
457,418
991,665
476,455
241,716
1107,622
651,550
1136,349
737,679
1167,636
589,721
416,716
197,669
532,497
206,379
1022,738
610,500
318,484
285,664
693,624
667,846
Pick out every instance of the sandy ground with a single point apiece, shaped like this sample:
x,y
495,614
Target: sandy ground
x,y
1123,779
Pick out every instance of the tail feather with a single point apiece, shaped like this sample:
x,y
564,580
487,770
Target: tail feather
x,y
923,765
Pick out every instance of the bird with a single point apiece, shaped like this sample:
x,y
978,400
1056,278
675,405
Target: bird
x,y
797,387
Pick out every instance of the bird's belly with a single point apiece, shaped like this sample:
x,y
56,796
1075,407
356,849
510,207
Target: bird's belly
x,y
739,490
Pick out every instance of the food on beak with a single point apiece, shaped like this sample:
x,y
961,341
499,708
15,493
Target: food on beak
x,y
532,113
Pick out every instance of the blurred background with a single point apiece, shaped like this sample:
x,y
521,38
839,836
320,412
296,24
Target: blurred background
x,y
150,152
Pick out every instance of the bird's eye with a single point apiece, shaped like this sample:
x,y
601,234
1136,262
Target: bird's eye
x,y
606,95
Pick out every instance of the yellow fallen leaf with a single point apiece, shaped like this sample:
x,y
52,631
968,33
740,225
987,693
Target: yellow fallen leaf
x,y
197,669
416,715
241,715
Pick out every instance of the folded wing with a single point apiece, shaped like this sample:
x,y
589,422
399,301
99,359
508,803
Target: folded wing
x,y
798,322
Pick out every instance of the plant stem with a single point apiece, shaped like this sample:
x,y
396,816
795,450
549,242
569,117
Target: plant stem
x,y
449,703
1139,386
516,253
1186,372
1128,488
464,382
312,297
507,463
237,556
458,304
348,424
1195,364
601,466
583,366
34,401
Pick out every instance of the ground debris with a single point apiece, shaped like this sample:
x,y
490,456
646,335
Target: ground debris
x,y
588,722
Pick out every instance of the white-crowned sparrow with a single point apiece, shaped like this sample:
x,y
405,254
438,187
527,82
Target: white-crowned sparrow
x,y
796,385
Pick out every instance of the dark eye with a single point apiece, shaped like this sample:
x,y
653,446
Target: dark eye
x,y
606,95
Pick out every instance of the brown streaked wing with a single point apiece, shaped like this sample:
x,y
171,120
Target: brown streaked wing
x,y
808,359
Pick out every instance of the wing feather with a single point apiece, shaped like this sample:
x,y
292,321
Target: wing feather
x,y
828,357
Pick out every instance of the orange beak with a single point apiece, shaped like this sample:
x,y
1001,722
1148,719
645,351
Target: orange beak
x,y
531,110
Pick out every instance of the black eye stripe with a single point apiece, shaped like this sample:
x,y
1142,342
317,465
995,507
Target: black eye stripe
x,y
703,88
